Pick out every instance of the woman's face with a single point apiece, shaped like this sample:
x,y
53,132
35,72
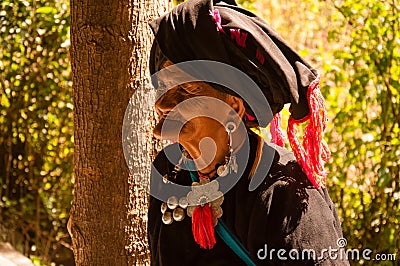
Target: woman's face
x,y
194,114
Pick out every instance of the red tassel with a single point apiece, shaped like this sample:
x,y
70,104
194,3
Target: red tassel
x,y
202,227
250,117
260,56
314,152
217,18
239,36
276,130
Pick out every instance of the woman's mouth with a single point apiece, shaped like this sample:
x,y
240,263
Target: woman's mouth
x,y
209,174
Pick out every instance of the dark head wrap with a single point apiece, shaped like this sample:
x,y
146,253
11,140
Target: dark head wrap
x,y
223,32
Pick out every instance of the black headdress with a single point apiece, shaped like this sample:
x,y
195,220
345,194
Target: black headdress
x,y
226,33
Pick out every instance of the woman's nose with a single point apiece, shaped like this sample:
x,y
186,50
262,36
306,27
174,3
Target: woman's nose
x,y
157,131
167,130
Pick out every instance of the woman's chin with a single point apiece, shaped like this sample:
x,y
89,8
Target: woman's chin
x,y
209,172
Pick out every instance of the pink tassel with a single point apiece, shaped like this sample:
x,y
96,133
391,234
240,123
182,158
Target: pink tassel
x,y
217,18
202,227
250,117
314,152
239,36
260,56
276,130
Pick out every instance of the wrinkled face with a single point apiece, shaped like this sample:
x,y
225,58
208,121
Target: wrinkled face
x,y
195,114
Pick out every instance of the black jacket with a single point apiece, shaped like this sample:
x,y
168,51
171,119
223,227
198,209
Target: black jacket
x,y
285,212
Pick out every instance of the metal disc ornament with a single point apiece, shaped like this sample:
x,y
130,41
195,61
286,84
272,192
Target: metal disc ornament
x,y
178,214
167,218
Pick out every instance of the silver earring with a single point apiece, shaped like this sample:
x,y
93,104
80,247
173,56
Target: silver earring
x,y
181,163
230,160
185,158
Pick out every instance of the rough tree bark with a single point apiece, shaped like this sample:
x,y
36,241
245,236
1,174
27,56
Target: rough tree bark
x,y
110,43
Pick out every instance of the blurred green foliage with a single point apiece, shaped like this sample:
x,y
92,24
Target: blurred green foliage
x,y
356,46
363,92
36,128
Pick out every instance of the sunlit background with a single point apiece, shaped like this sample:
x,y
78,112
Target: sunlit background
x,y
354,44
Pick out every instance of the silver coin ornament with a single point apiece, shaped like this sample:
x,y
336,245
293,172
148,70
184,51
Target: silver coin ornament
x,y
167,218
178,214
164,207
172,202
183,202
173,209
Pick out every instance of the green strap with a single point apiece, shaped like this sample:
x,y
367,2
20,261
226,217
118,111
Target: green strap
x,y
226,235
234,243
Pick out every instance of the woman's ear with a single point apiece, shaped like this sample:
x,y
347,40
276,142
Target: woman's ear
x,y
237,104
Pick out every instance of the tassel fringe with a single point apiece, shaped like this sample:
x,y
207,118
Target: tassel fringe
x,y
276,130
260,56
239,36
314,152
202,227
217,18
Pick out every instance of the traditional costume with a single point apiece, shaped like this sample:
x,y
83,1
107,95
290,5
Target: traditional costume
x,y
290,209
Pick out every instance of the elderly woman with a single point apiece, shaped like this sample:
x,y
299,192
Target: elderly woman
x,y
220,194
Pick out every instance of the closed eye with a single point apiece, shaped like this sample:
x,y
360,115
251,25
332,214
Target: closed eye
x,y
173,115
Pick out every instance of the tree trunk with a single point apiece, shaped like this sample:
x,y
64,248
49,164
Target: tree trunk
x,y
110,43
